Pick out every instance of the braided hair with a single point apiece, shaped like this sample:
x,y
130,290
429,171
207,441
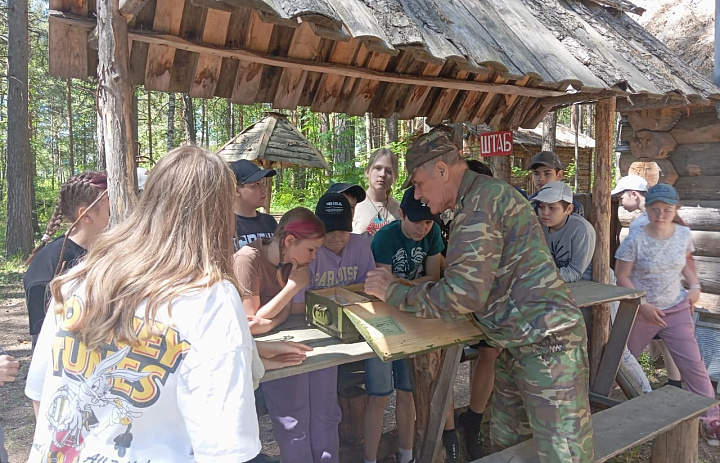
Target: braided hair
x,y
303,225
81,190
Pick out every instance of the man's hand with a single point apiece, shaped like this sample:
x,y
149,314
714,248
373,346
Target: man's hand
x,y
280,354
8,369
378,281
652,314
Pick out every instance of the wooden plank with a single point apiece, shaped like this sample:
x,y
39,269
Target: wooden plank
x,y
699,215
707,243
329,88
364,89
161,57
394,335
304,45
588,293
68,51
441,396
208,67
613,352
441,105
704,188
625,426
138,60
327,351
249,74
416,97
698,127
697,159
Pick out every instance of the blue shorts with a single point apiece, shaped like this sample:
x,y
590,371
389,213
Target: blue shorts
x,y
382,377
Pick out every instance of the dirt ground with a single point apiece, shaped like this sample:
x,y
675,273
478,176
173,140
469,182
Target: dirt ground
x,y
16,414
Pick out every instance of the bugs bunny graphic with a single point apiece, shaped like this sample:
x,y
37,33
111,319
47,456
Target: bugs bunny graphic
x,y
72,410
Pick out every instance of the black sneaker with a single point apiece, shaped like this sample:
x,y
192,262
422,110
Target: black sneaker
x,y
452,450
471,436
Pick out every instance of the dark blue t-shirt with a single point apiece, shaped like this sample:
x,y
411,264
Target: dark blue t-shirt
x,y
404,255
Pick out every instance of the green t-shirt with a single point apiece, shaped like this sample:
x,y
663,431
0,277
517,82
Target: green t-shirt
x,y
404,255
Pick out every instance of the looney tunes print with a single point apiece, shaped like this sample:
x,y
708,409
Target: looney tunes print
x,y
108,387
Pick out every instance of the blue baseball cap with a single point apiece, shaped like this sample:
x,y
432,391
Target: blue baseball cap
x,y
662,192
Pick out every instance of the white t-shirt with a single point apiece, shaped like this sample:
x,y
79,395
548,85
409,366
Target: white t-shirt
x,y
371,216
657,264
183,396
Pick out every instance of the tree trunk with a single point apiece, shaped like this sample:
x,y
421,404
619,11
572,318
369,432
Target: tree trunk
x,y
229,120
71,148
391,129
170,137
115,95
149,125
548,136
189,119
203,123
368,133
344,149
135,123
19,237
100,159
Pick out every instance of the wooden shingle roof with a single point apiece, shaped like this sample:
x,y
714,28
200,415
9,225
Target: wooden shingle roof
x,y
275,140
502,62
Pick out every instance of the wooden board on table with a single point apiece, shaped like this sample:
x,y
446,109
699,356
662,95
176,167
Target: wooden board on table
x,y
589,293
327,350
393,334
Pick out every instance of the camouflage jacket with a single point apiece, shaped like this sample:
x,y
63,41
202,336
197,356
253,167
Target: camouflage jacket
x,y
498,267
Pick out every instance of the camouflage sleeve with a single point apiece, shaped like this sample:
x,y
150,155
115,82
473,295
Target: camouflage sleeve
x,y
473,258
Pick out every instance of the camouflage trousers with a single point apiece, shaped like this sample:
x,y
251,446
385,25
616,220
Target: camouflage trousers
x,y
542,390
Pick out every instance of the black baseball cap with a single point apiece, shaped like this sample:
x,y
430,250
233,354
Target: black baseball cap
x,y
356,191
546,158
247,172
334,211
415,210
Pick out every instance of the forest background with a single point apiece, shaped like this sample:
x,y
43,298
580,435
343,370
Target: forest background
x,y
62,132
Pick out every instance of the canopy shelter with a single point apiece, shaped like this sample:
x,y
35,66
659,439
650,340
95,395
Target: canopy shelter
x,y
501,62
273,142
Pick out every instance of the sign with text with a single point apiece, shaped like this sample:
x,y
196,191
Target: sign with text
x,y
496,143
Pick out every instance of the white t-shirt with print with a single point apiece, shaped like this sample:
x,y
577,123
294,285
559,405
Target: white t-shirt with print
x,y
371,216
657,264
185,395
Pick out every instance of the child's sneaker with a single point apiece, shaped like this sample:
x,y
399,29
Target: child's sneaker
x,y
712,431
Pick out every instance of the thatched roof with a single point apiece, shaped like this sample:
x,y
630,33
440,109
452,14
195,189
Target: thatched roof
x,y
503,62
275,140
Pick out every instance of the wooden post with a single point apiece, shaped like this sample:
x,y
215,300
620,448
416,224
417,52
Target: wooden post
x,y
268,187
115,109
678,445
604,147
434,378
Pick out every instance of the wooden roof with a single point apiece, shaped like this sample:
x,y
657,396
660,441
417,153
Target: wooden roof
x,y
502,62
531,139
274,139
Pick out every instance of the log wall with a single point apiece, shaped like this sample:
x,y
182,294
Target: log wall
x,y
682,147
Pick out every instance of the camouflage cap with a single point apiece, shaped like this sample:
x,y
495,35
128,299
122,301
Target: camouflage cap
x,y
427,147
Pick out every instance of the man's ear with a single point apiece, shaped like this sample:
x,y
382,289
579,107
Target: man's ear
x,y
402,214
443,169
570,208
560,174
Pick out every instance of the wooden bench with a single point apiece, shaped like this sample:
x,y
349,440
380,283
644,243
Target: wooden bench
x,y
669,415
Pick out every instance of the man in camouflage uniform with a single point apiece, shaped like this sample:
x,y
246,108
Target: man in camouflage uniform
x,y
500,270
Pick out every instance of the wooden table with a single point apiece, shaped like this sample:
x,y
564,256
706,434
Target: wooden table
x,y
329,351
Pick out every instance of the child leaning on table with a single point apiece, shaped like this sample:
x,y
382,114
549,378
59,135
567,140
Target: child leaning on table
x,y
410,248
571,240
304,408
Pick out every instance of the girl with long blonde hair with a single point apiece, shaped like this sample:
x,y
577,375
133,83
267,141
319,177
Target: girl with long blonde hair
x,y
379,207
146,353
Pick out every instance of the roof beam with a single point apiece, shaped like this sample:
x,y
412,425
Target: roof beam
x,y
313,66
